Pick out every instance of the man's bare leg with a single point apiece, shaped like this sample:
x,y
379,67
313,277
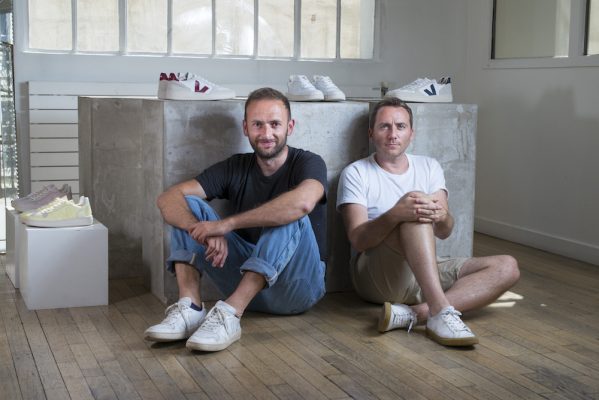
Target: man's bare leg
x,y
480,282
417,243
188,280
251,283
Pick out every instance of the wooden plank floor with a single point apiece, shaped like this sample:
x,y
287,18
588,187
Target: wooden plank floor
x,y
539,341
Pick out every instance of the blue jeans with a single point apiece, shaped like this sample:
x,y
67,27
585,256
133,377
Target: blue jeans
x,y
287,256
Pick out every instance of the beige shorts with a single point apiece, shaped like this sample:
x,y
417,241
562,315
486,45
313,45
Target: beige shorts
x,y
382,274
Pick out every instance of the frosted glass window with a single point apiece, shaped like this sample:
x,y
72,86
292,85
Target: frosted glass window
x,y
235,27
531,28
319,29
146,26
357,29
192,26
276,28
593,28
50,25
98,25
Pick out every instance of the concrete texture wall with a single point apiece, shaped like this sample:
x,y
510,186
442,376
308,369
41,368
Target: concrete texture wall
x,y
171,141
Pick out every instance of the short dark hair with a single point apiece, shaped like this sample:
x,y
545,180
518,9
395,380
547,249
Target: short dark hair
x,y
389,102
266,93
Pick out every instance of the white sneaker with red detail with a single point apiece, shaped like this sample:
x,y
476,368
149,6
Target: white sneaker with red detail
x,y
188,86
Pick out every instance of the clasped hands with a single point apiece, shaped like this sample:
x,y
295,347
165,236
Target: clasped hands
x,y
211,234
420,207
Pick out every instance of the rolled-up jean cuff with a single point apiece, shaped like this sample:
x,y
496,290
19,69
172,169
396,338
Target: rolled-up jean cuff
x,y
261,267
180,256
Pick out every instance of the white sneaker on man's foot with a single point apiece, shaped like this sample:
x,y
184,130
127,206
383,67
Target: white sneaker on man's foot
x,y
396,316
180,322
218,331
447,328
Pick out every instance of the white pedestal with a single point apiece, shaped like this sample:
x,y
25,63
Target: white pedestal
x,y
13,229
64,267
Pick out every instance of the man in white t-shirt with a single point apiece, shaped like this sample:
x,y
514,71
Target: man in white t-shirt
x,y
393,205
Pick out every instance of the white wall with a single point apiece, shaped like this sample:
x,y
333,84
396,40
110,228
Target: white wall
x,y
538,135
417,38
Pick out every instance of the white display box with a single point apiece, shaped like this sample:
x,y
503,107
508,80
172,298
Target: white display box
x,y
13,234
64,267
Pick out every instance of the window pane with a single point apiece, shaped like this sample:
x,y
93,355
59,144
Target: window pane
x,y
531,28
50,25
98,25
192,26
593,28
146,26
357,28
235,27
276,28
319,28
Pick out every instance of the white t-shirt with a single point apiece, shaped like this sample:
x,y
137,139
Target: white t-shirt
x,y
365,182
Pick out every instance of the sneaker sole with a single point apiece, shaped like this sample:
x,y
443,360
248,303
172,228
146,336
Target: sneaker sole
x,y
176,93
84,221
385,318
164,337
305,97
453,342
411,98
212,346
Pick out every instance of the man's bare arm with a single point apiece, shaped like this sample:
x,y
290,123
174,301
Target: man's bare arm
x,y
364,234
173,206
286,208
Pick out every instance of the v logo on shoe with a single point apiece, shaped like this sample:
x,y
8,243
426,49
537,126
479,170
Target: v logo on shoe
x,y
202,90
432,91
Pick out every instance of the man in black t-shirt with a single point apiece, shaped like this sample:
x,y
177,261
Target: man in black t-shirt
x,y
269,254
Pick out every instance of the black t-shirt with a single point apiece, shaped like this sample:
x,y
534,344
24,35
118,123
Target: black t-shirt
x,y
240,180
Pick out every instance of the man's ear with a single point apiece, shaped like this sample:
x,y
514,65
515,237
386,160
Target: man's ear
x,y
290,127
369,133
245,127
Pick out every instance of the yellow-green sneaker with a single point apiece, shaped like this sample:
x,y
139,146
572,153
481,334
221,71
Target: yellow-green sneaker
x,y
60,213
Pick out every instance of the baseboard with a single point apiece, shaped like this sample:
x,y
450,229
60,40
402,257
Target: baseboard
x,y
554,244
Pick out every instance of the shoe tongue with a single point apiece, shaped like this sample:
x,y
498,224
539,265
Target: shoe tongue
x,y
226,307
185,301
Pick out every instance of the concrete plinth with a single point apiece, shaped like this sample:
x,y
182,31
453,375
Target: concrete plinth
x,y
159,143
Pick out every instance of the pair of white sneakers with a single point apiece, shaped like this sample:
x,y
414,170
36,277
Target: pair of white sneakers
x,y
446,328
321,88
206,331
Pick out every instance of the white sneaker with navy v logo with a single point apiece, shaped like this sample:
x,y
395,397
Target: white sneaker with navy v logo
x,y
425,90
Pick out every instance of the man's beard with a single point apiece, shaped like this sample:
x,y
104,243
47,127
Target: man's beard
x,y
272,153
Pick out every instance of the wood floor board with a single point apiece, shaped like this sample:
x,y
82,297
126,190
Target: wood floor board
x,y
538,341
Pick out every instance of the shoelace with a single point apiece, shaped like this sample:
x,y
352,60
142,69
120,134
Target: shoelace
x,y
327,82
55,205
453,321
400,319
38,195
172,313
214,320
417,83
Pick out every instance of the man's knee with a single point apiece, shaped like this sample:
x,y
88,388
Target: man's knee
x,y
507,266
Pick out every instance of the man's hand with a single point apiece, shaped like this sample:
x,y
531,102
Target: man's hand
x,y
202,230
418,206
211,234
216,251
